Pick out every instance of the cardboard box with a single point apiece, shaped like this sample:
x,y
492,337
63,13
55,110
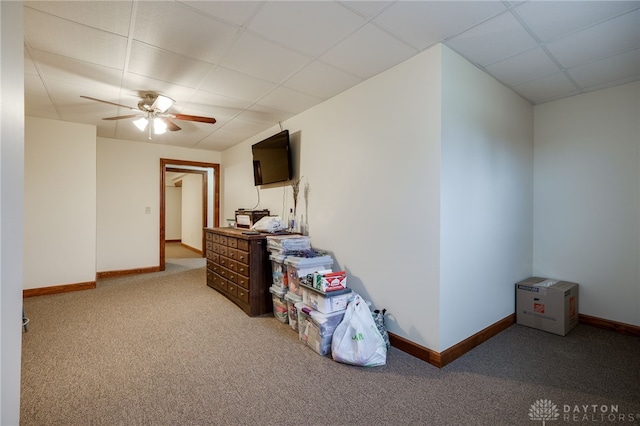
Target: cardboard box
x,y
549,305
330,281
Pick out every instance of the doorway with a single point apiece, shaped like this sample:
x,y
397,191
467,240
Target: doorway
x,y
165,164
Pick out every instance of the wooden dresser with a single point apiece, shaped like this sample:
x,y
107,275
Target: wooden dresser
x,y
238,266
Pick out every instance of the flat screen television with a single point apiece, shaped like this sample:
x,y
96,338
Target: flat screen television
x,y
272,159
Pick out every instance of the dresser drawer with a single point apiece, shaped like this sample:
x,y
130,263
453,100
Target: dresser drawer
x,y
243,269
232,276
242,257
223,240
211,255
209,236
243,245
232,253
224,250
232,289
223,261
222,284
209,245
243,282
232,242
242,294
215,238
233,265
210,278
210,265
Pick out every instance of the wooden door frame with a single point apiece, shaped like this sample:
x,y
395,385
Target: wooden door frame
x,y
164,162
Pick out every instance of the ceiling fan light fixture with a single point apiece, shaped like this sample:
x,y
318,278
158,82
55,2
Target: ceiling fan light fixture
x,y
141,123
162,103
159,126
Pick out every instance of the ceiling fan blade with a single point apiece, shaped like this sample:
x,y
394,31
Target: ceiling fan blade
x,y
197,118
120,117
162,103
171,126
110,103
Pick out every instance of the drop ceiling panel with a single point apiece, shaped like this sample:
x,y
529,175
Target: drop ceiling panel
x,y
618,67
234,132
37,101
77,73
530,65
546,88
111,16
424,23
66,38
369,8
264,115
493,40
309,27
368,52
235,84
181,29
262,59
289,100
322,80
606,39
167,66
222,108
234,12
550,20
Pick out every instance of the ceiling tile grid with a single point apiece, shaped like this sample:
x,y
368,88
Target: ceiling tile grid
x,y
253,64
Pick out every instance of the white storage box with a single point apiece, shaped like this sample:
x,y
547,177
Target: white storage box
x,y
303,315
292,311
300,267
328,302
279,244
326,323
279,271
280,308
317,329
330,281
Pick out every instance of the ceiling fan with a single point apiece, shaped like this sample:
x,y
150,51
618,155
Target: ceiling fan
x,y
152,111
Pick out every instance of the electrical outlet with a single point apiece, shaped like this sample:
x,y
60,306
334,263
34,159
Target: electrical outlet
x,y
147,210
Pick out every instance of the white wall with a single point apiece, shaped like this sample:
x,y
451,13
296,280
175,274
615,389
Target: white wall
x,y
128,181
192,210
60,203
173,213
586,197
486,229
11,207
371,157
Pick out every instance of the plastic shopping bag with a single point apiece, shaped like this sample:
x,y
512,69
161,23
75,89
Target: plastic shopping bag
x,y
356,340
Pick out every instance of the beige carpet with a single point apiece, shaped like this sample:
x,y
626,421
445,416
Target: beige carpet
x,y
165,349
178,251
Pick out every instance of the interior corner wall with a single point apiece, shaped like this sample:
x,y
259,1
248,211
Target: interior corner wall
x,y
587,198
192,210
486,229
128,181
371,158
60,203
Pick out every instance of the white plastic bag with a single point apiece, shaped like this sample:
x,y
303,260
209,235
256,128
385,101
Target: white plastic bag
x,y
356,340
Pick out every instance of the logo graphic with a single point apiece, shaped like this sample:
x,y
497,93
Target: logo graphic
x,y
544,409
538,307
